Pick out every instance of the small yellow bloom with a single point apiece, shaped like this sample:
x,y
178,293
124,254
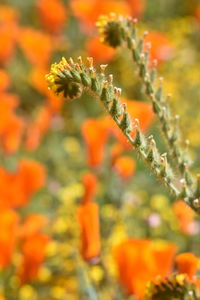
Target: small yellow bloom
x,y
96,273
110,29
26,292
44,274
61,82
58,292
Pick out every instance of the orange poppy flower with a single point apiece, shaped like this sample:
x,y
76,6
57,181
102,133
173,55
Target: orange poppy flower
x,y
88,218
116,151
8,102
88,11
4,80
187,263
32,225
32,175
37,129
100,51
197,283
184,215
54,103
95,134
9,221
90,185
164,254
11,126
25,181
8,14
37,79
161,48
140,261
12,135
125,167
8,32
52,14
8,42
137,7
197,12
34,244
36,45
141,111
34,251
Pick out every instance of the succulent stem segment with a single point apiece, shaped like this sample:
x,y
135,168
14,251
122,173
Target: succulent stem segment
x,y
117,31
79,76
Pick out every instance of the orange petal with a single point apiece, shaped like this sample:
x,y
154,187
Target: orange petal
x,y
88,217
187,263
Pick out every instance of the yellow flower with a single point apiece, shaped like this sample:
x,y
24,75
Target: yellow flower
x,y
26,292
110,29
61,81
173,287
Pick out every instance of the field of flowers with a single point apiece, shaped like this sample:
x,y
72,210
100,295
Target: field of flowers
x,y
93,94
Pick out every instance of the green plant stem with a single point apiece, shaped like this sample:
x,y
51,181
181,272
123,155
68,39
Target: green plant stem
x,y
65,75
122,30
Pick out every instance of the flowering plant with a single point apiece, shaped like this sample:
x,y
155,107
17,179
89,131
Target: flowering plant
x,y
68,80
99,203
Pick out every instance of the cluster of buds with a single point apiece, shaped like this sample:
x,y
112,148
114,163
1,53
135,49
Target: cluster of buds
x,y
116,30
176,286
85,77
63,82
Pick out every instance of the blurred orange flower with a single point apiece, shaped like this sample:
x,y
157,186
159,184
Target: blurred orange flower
x,y
137,7
8,32
90,185
125,166
140,261
11,126
161,48
52,14
37,128
8,14
88,218
25,181
100,51
32,225
4,80
197,12
9,221
36,45
8,42
33,175
164,254
116,150
33,247
88,11
187,263
37,79
12,135
184,215
34,251
141,111
95,134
